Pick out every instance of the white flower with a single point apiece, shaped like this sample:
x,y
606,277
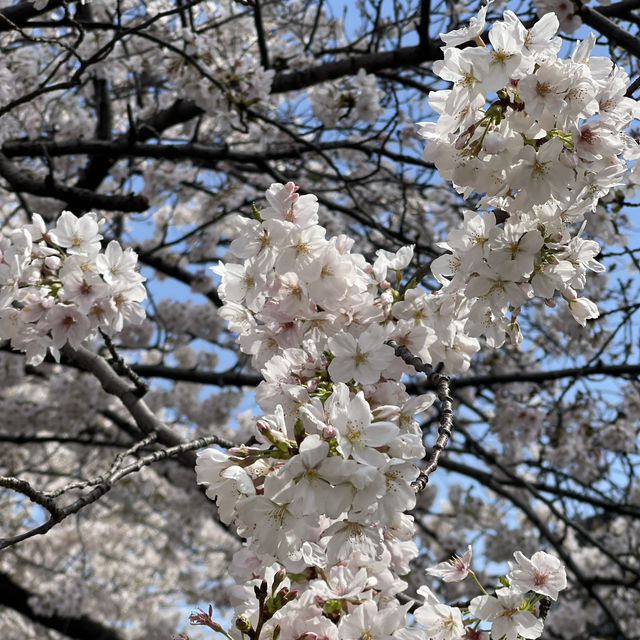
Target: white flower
x,y
539,174
347,537
362,359
225,482
67,324
453,570
306,479
583,309
506,617
77,235
470,32
386,260
440,621
115,264
365,621
543,574
357,434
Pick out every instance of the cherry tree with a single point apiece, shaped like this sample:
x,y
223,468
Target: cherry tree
x,y
318,320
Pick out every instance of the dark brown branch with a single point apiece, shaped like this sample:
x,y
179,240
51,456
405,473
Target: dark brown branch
x,y
370,62
425,19
607,506
19,14
103,108
208,155
248,380
98,168
614,370
220,379
619,9
617,35
76,198
262,41
16,597
37,497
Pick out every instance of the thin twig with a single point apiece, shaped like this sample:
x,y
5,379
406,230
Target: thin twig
x,y
102,486
121,366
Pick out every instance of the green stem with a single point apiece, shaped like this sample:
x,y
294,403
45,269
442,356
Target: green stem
x,y
475,579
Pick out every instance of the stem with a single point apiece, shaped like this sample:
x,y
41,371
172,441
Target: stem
x,y
475,579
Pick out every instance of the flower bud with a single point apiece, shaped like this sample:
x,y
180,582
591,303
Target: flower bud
x,y
278,578
329,432
514,332
52,263
243,624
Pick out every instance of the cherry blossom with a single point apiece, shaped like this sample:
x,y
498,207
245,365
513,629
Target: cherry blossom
x,y
543,573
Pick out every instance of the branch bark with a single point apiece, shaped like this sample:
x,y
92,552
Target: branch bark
x,y
16,597
75,197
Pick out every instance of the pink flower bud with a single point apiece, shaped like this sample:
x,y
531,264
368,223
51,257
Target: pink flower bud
x,y
329,432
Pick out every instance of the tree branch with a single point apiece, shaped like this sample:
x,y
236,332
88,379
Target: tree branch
x,y
248,380
370,62
610,29
16,597
441,384
614,370
19,14
76,198
101,485
262,41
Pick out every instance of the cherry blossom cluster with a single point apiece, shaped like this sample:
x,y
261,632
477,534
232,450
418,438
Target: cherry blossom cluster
x,y
524,128
221,77
59,287
321,498
540,139
346,101
514,609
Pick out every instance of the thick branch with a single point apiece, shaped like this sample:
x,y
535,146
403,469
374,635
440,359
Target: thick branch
x,y
112,383
207,155
248,380
180,111
18,14
370,62
15,597
610,29
614,370
220,379
262,41
425,19
76,198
